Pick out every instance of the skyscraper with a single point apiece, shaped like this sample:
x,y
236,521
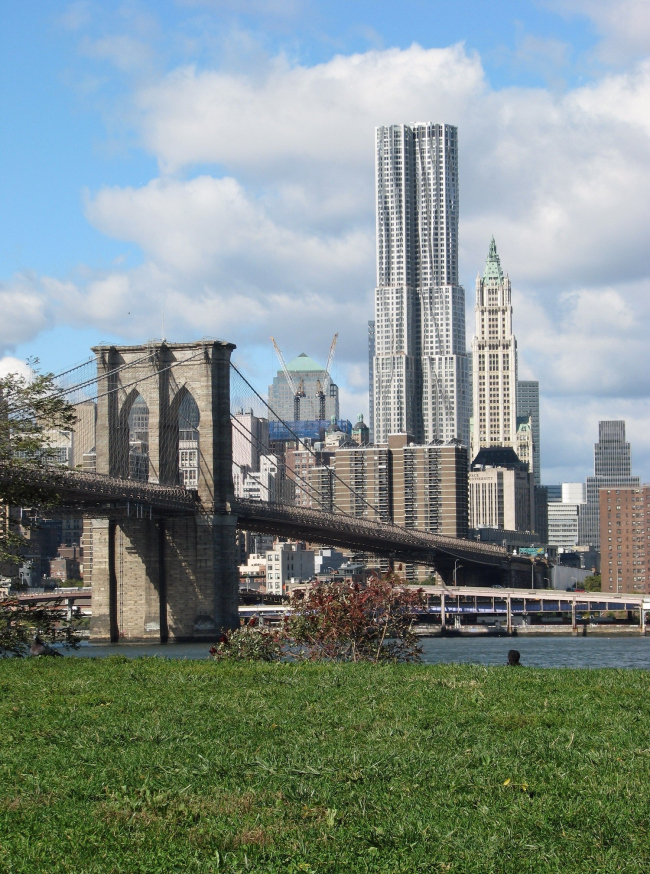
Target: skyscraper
x,y
612,469
494,360
420,364
528,405
371,392
320,394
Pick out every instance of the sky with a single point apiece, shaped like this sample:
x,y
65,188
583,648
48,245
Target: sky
x,y
211,162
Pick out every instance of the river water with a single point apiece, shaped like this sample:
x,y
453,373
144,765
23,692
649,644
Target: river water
x,y
540,652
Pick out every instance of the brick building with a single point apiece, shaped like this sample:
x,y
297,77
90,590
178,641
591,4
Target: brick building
x,y
624,533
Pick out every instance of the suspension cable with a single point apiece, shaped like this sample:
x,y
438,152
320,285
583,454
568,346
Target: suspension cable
x,y
315,494
305,445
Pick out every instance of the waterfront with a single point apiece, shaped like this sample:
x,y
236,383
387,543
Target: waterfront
x,y
541,652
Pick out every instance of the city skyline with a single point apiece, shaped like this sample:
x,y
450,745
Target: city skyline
x,y
127,194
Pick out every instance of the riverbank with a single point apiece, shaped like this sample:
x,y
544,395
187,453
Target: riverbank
x,y
154,765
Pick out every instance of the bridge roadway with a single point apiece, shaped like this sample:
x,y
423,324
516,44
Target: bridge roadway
x,y
365,535
96,494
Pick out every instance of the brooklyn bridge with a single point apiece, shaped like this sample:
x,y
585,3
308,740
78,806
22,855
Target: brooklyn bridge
x,y
164,557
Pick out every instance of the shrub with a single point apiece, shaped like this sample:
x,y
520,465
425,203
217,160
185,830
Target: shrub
x,y
348,622
251,643
19,623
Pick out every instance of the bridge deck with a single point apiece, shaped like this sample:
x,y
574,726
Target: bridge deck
x,y
85,491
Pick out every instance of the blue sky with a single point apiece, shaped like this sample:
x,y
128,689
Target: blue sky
x,y
214,159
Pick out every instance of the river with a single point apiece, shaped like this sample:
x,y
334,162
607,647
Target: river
x,y
539,652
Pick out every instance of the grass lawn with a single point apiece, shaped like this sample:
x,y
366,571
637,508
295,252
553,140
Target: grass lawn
x,y
149,765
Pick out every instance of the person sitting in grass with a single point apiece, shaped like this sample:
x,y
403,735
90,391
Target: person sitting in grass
x,y
513,658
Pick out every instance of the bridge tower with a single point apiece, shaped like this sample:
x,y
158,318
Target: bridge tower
x,y
158,576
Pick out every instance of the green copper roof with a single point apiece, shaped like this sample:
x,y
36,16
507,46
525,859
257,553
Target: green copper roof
x,y
304,364
493,264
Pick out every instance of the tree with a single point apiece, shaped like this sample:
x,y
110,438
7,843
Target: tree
x,y
32,410
19,623
348,622
336,622
592,583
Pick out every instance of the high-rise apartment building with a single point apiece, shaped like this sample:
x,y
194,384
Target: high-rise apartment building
x,y
612,469
362,484
528,405
423,487
420,367
371,387
429,486
624,533
494,360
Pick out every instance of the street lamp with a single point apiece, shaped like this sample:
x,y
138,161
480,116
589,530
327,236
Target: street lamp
x,y
546,580
456,566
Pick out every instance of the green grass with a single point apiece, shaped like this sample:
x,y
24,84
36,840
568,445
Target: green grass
x,y
115,765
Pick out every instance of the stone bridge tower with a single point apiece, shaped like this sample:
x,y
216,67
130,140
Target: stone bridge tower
x,y
157,576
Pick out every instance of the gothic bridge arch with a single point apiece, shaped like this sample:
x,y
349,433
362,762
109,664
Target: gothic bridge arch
x,y
175,577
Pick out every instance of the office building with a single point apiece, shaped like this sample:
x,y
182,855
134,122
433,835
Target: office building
x,y
287,564
528,405
83,432
624,538
318,394
361,432
574,493
554,492
524,446
541,513
612,469
501,491
563,524
494,360
250,439
269,483
564,516
420,366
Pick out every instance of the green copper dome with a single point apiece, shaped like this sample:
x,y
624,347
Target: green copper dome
x,y
304,364
493,265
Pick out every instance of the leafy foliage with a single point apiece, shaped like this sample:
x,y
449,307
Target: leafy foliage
x,y
19,623
343,622
336,622
31,413
592,583
251,643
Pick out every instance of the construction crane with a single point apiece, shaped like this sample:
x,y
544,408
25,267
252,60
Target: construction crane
x,y
331,355
298,392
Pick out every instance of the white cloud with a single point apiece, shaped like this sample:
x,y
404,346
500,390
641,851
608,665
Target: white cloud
x,y
624,25
279,237
123,51
9,364
25,310
283,119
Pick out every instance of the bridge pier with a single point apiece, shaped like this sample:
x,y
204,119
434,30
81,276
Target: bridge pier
x,y
172,577
161,580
